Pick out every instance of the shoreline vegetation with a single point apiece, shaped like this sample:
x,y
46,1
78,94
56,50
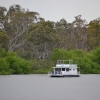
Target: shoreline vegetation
x,y
11,63
30,44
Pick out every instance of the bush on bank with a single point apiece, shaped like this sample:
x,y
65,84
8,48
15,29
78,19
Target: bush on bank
x,y
89,62
10,63
39,67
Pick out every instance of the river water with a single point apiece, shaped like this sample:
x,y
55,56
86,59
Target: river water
x,y
43,87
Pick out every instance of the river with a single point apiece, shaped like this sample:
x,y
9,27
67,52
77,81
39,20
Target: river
x,y
43,87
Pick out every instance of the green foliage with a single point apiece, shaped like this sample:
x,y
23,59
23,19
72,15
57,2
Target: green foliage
x,y
62,54
39,67
20,21
96,55
89,62
3,53
4,40
4,67
10,63
59,54
94,34
42,38
18,65
37,40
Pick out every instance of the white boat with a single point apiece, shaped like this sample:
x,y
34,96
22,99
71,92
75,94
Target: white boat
x,y
65,68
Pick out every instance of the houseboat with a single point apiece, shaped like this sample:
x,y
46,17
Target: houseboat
x,y
65,68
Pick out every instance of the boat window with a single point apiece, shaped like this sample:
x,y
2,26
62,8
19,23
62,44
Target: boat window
x,y
67,69
63,69
56,69
73,69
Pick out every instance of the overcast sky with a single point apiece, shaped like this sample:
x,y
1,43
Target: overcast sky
x,y
54,10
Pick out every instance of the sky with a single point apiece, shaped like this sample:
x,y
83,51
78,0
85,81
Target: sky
x,y
55,10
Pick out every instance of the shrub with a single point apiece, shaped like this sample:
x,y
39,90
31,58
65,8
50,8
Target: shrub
x,y
4,67
18,65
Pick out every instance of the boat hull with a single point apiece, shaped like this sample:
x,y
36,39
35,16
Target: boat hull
x,y
65,75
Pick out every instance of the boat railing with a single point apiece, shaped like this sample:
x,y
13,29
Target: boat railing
x,y
64,61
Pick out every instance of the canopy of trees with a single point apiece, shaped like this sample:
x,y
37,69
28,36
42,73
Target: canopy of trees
x,y
94,34
15,22
42,38
32,38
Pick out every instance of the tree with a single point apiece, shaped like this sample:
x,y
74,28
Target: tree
x,y
94,34
16,21
79,33
3,10
42,39
4,39
72,35
63,31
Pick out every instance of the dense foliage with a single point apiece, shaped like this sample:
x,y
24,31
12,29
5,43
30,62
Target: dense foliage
x,y
29,44
4,39
89,62
10,63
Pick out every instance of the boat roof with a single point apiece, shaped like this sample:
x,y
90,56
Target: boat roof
x,y
65,64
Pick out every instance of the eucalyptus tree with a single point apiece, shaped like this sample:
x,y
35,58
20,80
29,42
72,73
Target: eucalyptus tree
x,y
94,34
4,39
42,38
72,35
79,33
62,30
15,22
3,12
